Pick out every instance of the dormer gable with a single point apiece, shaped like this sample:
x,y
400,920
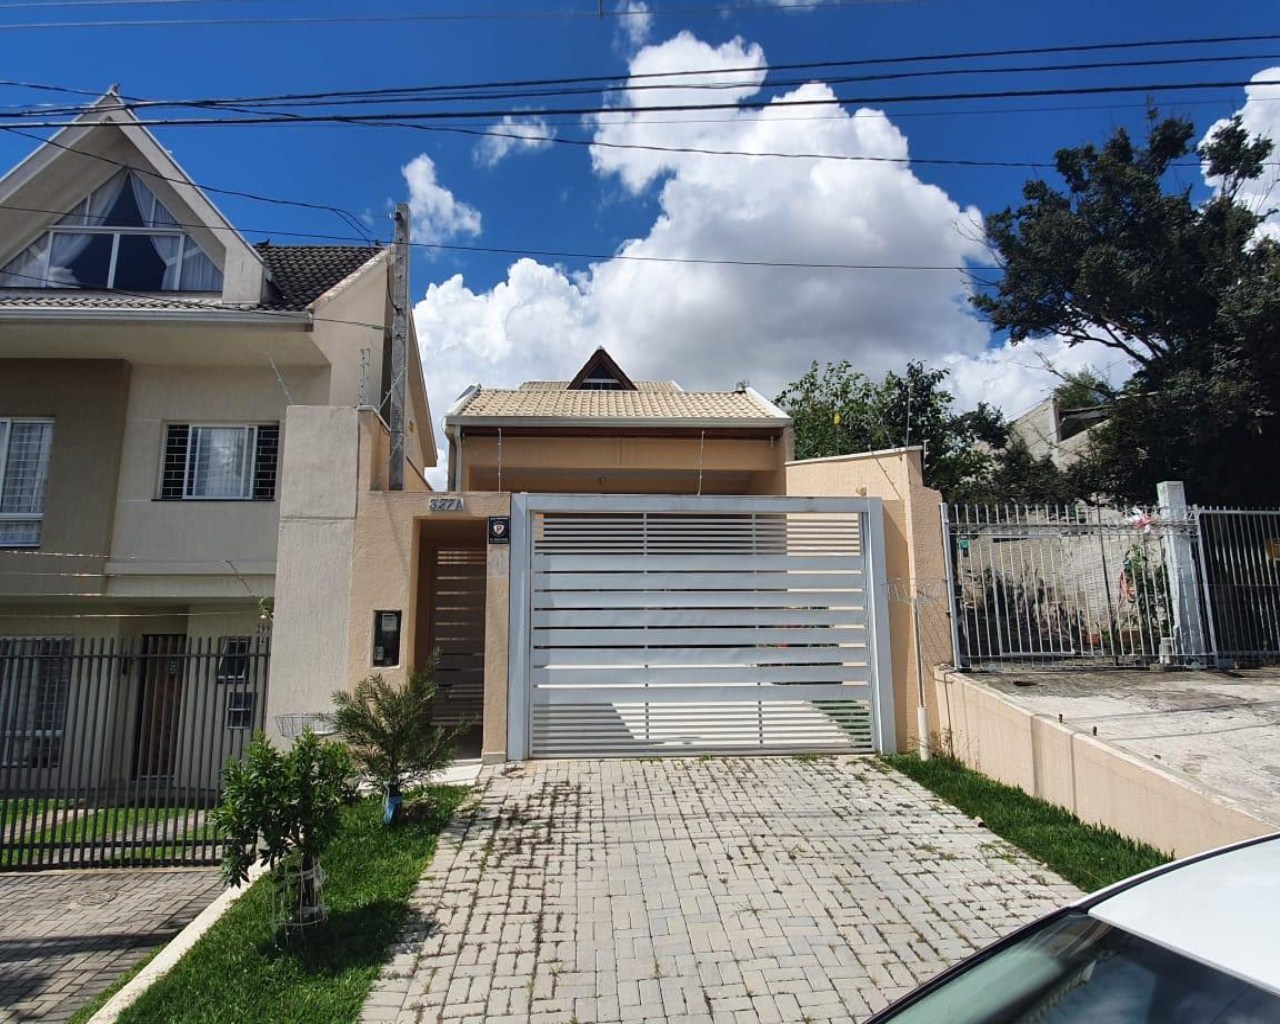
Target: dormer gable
x,y
601,373
103,206
119,237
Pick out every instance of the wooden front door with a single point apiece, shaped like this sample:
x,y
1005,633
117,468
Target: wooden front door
x,y
159,704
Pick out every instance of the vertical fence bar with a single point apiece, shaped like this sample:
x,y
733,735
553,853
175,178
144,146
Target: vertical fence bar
x,y
204,756
953,585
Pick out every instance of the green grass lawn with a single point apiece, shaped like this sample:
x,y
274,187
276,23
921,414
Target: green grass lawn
x,y
1088,856
235,973
133,835
86,1012
18,812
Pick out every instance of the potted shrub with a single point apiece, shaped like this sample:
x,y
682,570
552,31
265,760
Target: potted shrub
x,y
391,735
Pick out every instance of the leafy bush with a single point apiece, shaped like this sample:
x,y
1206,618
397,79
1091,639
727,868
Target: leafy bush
x,y
275,803
390,732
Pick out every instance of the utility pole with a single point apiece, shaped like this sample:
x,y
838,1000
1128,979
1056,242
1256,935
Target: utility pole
x,y
399,339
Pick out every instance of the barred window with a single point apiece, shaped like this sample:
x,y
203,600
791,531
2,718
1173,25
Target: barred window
x,y
220,462
233,659
24,473
240,709
35,677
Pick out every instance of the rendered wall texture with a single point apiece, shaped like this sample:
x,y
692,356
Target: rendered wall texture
x,y
914,561
1092,779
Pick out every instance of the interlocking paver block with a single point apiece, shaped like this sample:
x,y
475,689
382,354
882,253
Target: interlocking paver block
x,y
65,936
688,891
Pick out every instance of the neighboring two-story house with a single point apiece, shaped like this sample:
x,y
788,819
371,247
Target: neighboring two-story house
x,y
148,355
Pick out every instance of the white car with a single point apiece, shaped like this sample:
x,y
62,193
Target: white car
x,y
1193,942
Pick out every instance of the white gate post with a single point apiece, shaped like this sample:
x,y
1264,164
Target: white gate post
x,y
520,630
883,724
1180,569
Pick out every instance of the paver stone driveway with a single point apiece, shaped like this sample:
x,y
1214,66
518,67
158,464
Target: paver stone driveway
x,y
700,891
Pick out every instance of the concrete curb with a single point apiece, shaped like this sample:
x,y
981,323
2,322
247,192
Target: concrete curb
x,y
177,948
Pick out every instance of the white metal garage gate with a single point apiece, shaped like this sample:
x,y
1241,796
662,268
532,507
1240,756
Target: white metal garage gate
x,y
677,625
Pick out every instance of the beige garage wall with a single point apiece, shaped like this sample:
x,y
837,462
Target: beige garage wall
x,y
346,550
913,552
1094,780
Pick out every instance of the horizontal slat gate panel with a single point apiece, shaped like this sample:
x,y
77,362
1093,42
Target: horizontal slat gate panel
x,y
763,659
667,674
696,599
679,632
688,563
677,693
457,633
650,638
629,730
699,617
745,579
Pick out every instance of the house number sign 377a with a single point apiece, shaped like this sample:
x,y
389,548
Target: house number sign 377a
x,y
445,504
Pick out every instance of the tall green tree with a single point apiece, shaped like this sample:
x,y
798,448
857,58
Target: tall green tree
x,y
1122,255
837,410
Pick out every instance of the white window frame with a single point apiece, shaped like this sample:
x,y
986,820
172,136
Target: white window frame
x,y
252,428
225,654
69,229
21,517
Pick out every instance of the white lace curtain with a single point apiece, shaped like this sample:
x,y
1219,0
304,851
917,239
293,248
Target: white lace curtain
x,y
185,265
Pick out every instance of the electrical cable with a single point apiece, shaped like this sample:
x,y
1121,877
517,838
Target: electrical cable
x,y
350,219
509,251
773,104
594,14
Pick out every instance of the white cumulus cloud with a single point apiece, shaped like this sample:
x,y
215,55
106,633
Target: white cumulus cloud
x,y
1260,115
635,22
708,325
521,133
436,213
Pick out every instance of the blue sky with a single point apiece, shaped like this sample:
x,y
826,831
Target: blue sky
x,y
704,328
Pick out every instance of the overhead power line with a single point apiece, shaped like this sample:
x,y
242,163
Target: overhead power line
x,y
773,104
507,251
358,98
350,219
825,65
594,14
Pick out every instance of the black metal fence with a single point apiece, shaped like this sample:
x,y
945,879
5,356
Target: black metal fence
x,y
112,750
1055,586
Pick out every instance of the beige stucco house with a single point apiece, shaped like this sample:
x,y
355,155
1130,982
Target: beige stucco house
x,y
149,354
602,532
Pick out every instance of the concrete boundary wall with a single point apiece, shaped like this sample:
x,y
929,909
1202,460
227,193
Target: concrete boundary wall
x,y
1100,783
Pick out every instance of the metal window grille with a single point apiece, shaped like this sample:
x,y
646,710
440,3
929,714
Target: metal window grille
x,y
233,660
178,473
24,474
240,710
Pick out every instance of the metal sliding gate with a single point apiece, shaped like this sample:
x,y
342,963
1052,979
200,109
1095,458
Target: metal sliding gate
x,y
674,625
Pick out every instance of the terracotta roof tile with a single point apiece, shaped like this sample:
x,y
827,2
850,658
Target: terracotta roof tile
x,y
615,405
562,385
300,274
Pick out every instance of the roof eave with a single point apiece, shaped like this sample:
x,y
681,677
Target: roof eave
x,y
658,422
365,268
223,316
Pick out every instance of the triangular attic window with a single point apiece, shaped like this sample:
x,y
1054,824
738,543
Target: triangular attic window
x,y
601,373
118,237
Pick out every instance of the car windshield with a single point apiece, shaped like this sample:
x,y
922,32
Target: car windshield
x,y
1075,968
